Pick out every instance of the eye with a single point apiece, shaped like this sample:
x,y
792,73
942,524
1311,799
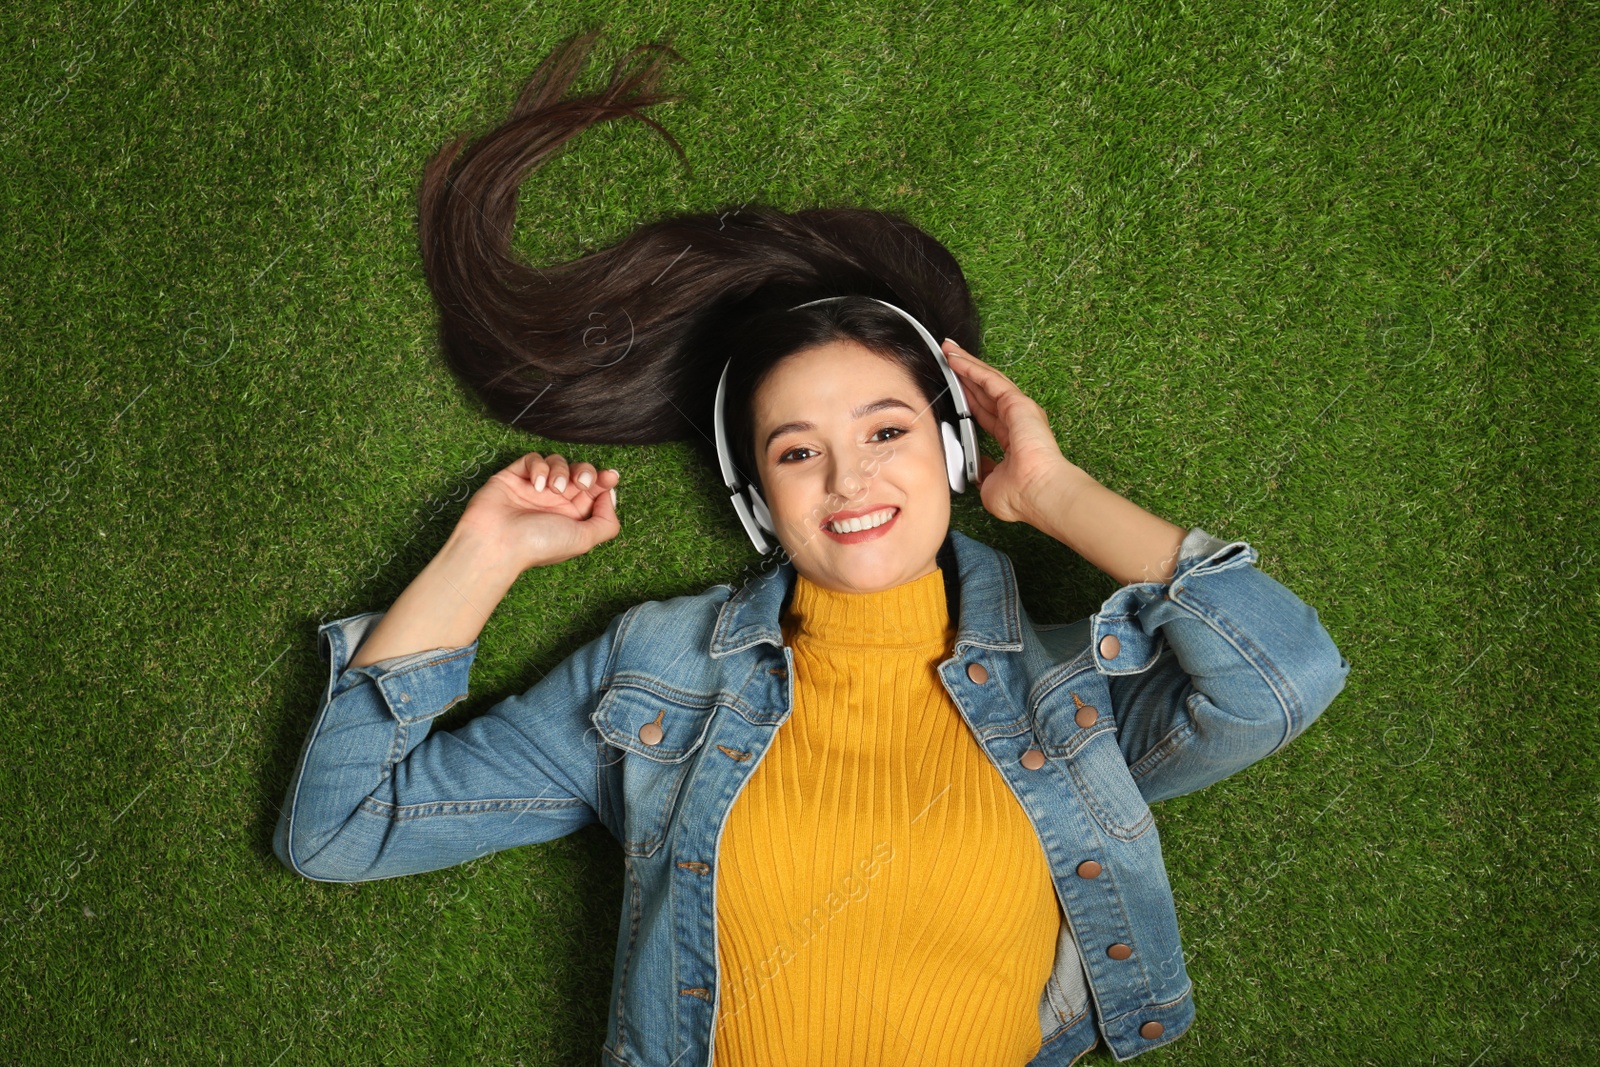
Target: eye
x,y
896,430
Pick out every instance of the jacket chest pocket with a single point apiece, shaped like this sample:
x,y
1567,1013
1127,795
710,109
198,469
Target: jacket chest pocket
x,y
1075,725
653,736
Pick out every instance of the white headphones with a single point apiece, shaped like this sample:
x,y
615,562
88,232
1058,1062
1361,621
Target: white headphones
x,y
960,453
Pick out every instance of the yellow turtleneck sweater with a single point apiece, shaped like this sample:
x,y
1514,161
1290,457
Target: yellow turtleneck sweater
x,y
882,898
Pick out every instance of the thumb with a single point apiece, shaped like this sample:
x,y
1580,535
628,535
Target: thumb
x,y
604,510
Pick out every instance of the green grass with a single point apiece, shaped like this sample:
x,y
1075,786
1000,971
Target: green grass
x,y
1318,277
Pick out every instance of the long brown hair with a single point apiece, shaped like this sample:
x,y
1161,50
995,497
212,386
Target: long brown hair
x,y
625,345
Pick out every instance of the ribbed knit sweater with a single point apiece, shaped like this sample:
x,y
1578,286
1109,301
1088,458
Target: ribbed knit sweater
x,y
882,898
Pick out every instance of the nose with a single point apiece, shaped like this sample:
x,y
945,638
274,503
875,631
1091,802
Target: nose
x,y
846,481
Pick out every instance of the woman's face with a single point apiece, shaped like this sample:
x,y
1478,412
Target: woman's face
x,y
821,451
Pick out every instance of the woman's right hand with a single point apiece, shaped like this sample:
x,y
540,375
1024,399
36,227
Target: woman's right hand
x,y
535,527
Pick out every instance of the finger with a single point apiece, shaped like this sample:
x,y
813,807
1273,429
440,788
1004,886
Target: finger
x,y
602,480
991,379
989,417
536,470
978,397
951,348
984,416
994,380
605,508
583,474
993,394
968,368
981,403
558,472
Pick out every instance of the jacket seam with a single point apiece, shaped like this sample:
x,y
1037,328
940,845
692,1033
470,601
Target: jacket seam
x,y
402,672
1059,675
299,778
1061,1031
601,785
431,808
1092,1046
408,720
1276,680
1102,810
1008,584
1162,749
623,627
632,890
642,680
1139,1009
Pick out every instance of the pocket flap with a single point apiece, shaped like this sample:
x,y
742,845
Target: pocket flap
x,y
642,719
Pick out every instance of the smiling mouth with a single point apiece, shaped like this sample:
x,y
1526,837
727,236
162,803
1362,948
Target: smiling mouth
x,y
863,528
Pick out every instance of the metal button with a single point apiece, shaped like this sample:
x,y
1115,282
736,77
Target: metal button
x,y
1086,712
1151,1029
405,698
1110,646
1033,759
1088,869
651,733
1119,951
977,673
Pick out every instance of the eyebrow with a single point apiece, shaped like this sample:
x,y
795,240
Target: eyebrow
x,y
861,412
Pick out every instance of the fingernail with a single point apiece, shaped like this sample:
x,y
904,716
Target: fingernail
x,y
586,479
560,483
613,499
538,484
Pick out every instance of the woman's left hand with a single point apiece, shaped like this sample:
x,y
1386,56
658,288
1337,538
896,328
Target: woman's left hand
x,y
1032,457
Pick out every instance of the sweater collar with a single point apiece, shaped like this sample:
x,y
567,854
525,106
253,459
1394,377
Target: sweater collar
x,y
912,614
980,581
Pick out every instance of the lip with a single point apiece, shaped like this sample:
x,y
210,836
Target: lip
x,y
862,535
840,516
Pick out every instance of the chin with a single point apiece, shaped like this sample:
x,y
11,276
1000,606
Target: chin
x,y
879,564
890,569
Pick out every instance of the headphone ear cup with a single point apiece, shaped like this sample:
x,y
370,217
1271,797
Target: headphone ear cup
x,y
955,464
763,516
749,517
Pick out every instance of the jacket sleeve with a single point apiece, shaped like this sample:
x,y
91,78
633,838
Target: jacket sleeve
x,y
1217,668
374,795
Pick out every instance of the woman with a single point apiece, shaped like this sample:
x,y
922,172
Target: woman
x,y
869,811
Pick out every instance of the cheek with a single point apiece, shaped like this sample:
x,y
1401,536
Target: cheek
x,y
792,508
937,471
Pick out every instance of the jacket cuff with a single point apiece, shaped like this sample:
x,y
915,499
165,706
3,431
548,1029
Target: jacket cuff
x,y
415,687
1198,543
1135,649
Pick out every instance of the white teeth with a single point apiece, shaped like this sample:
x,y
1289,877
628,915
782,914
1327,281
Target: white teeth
x,y
865,522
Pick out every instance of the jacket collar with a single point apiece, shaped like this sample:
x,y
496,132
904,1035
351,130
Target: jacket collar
x,y
987,601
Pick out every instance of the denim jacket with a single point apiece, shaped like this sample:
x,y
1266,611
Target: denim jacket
x,y
1169,687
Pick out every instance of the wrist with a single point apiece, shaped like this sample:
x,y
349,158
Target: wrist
x,y
1107,529
1055,500
479,558
444,607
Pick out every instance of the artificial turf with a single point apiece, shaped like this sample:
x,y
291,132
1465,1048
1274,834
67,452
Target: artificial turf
x,y
1320,277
